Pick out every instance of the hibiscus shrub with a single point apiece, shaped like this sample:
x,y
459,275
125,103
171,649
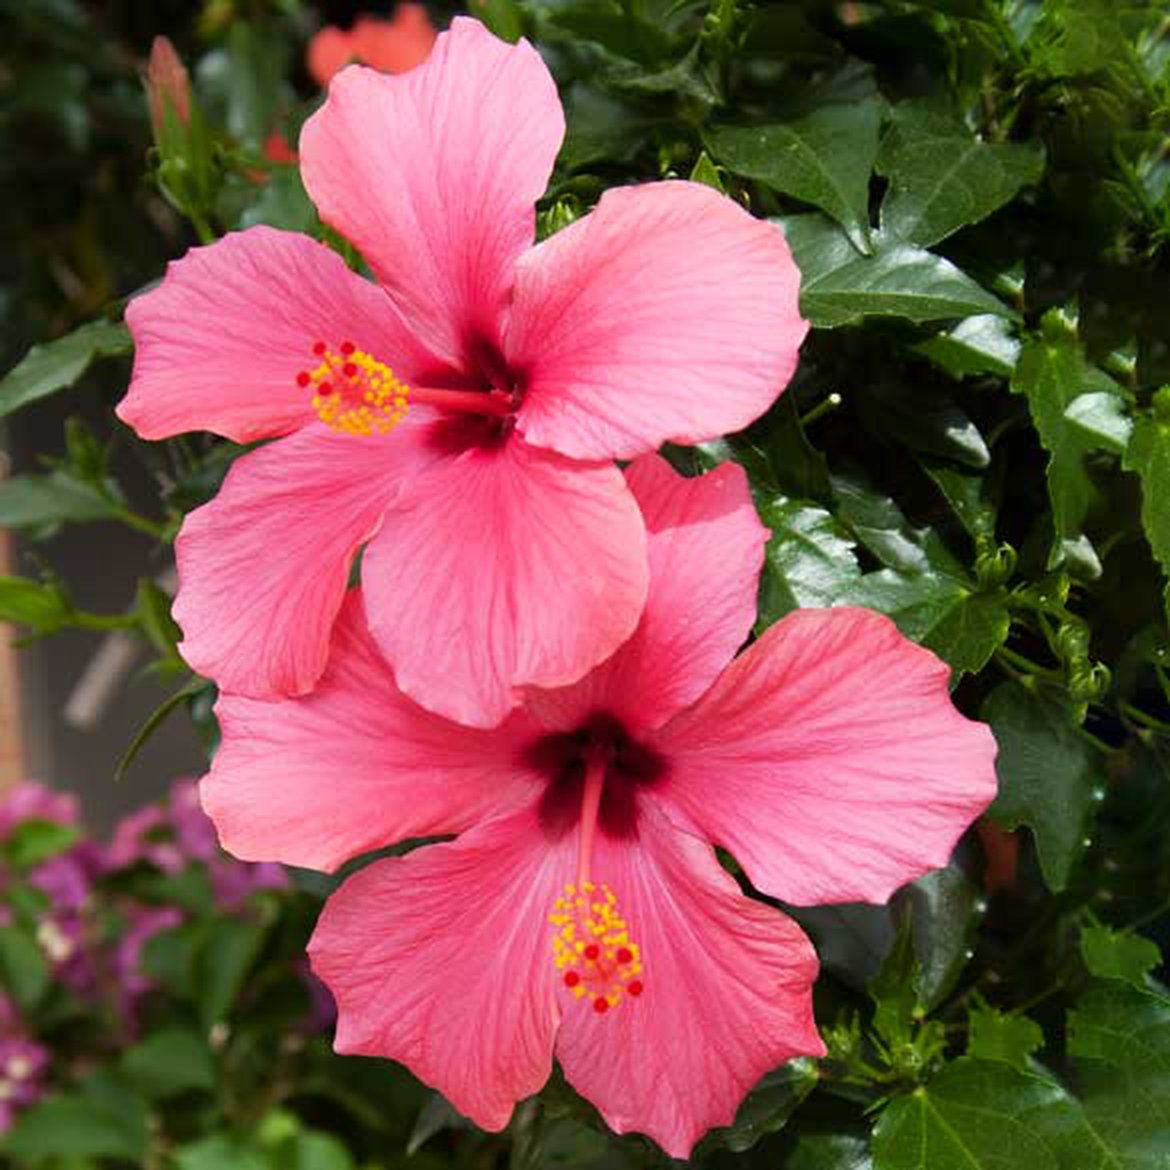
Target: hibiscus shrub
x,y
975,444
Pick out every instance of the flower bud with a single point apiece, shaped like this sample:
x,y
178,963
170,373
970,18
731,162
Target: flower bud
x,y
167,87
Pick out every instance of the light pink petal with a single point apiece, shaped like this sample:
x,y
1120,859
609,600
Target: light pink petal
x,y
706,548
727,994
354,766
434,173
219,343
829,759
512,566
441,960
264,566
666,313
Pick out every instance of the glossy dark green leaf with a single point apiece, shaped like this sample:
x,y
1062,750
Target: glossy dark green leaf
x,y
1047,775
996,1035
505,18
841,286
985,344
809,559
829,1151
57,365
1052,372
1119,1040
947,909
964,491
766,1109
975,1115
282,203
1120,955
824,158
1101,416
942,177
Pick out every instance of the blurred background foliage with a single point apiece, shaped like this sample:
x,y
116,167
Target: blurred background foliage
x,y
977,443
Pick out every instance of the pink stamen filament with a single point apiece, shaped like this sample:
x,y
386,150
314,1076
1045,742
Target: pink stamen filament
x,y
595,765
476,402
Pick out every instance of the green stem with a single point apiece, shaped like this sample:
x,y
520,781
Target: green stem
x,y
140,523
201,226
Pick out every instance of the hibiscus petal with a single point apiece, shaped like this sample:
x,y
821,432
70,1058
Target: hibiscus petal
x,y
666,313
706,548
263,567
441,960
354,766
727,994
433,174
219,343
511,566
829,759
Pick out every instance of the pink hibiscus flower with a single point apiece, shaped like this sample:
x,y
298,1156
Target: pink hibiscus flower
x,y
503,547
580,910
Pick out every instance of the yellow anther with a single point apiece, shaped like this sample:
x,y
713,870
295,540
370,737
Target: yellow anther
x,y
592,947
354,393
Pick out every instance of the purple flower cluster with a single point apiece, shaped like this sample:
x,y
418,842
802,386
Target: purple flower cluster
x,y
80,954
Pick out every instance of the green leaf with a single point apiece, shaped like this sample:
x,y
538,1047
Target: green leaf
x,y
34,841
829,1151
1119,1040
170,1062
1120,955
895,989
942,177
81,1126
965,494
975,1115
976,346
947,909
219,1152
824,158
282,203
153,611
766,1109
1102,419
840,286
504,18
1052,372
706,172
995,1035
809,559
24,974
1047,775
57,365
1148,454
47,501
221,965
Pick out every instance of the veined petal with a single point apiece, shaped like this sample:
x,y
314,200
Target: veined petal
x,y
434,174
706,548
220,342
829,759
263,567
354,766
668,313
509,567
726,994
441,960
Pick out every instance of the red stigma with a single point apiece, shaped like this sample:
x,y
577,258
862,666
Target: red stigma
x,y
349,369
592,951
625,955
302,378
634,988
319,348
601,1005
325,388
572,978
347,348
